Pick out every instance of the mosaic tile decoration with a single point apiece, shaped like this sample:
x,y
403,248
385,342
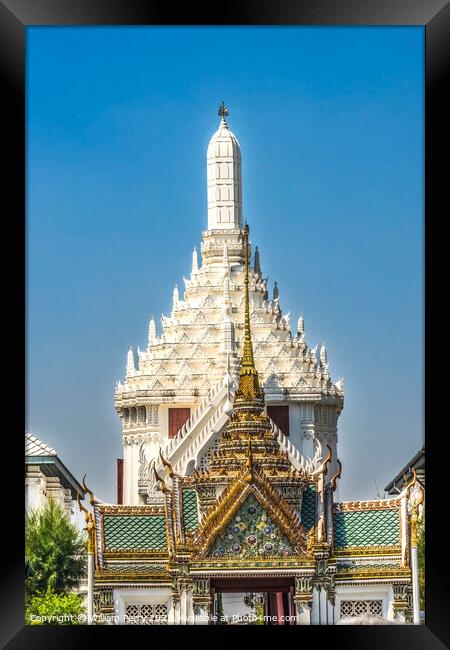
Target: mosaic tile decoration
x,y
366,528
251,534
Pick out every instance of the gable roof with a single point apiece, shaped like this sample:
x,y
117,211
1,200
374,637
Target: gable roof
x,y
38,453
417,462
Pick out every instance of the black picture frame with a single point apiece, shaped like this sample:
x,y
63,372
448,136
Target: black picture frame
x,y
15,17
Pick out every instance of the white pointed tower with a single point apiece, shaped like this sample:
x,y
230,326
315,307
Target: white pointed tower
x,y
223,161
178,398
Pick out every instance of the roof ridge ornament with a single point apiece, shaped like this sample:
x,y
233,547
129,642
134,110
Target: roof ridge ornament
x,y
223,112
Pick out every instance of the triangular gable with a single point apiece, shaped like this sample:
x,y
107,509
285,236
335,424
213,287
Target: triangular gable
x,y
252,533
290,532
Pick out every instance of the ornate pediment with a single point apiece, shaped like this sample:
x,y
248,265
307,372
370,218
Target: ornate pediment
x,y
251,533
249,501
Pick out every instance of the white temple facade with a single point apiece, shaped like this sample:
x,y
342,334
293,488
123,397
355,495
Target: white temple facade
x,y
176,392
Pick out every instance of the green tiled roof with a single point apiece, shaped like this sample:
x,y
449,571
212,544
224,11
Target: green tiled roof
x,y
190,512
308,513
134,532
366,528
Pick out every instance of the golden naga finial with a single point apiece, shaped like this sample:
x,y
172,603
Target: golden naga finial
x,y
166,464
81,506
417,502
90,524
327,460
415,513
86,489
337,475
159,480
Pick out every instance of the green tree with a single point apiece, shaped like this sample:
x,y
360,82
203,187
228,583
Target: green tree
x,y
421,558
55,552
55,609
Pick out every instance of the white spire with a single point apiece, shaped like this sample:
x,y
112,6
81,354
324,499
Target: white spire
x,y
175,297
151,330
227,332
223,160
131,368
276,291
323,355
194,261
257,264
301,325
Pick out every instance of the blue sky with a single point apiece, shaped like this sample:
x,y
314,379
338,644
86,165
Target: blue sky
x,y
330,122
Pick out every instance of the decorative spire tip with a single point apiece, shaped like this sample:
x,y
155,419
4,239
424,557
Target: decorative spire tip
x,y
223,111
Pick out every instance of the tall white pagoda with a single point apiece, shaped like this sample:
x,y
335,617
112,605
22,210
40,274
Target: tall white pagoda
x,y
177,392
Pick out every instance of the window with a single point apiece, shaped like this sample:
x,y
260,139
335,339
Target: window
x,y
280,415
146,614
359,607
177,417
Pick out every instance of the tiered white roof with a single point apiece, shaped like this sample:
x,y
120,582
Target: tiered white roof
x,y
35,447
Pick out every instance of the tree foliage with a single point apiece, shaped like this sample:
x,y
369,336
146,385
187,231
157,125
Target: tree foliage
x,y
50,608
55,552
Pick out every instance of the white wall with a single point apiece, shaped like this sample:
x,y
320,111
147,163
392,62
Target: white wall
x,y
383,592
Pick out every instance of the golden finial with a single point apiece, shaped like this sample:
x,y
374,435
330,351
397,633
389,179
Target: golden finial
x,y
160,480
166,464
86,489
81,506
223,110
336,476
90,524
407,487
248,375
327,460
